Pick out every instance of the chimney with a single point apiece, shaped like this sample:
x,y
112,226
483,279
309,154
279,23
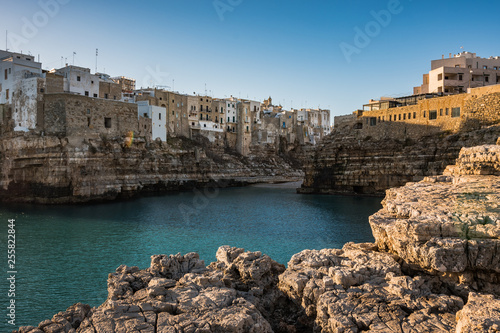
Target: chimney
x,y
450,55
442,57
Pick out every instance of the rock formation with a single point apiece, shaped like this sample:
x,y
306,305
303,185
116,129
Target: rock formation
x,y
348,165
48,169
434,268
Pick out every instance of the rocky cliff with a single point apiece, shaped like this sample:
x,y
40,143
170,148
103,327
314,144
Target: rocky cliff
x,y
49,169
348,165
433,268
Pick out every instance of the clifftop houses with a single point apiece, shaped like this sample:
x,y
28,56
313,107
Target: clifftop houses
x,y
460,91
73,101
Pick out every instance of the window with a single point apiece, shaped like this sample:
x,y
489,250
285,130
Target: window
x,y
233,122
373,121
201,108
455,112
107,122
414,115
432,114
404,116
399,116
446,111
460,77
390,118
228,119
216,119
6,93
95,95
92,82
457,66
87,93
177,104
173,113
106,96
485,67
78,78
495,68
247,128
114,97
486,79
424,114
440,77
440,112
159,116
42,90
409,115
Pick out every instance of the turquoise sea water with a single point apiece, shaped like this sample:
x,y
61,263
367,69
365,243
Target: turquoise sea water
x,y
64,253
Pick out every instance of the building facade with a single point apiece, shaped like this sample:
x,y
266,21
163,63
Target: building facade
x,y
458,73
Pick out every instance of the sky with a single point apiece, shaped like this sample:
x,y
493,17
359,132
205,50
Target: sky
x,y
303,53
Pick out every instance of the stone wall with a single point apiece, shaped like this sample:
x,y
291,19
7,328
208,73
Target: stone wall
x,y
110,90
80,115
429,116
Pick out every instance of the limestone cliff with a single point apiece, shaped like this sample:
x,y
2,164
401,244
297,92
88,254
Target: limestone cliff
x,y
49,169
347,165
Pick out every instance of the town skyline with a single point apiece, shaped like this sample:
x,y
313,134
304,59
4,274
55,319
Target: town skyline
x,y
303,55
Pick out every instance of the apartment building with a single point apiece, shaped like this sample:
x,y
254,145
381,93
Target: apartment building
x,y
458,73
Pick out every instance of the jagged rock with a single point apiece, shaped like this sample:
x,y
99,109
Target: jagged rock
x,y
445,226
358,289
480,314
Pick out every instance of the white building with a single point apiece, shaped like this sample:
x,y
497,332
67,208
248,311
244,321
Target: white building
x,y
231,114
13,68
21,85
78,80
158,116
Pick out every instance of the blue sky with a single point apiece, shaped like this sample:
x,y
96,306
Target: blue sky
x,y
290,50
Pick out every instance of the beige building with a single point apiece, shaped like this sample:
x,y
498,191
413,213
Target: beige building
x,y
459,72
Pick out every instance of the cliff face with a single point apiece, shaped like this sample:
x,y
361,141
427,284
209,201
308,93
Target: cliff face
x,y
434,268
346,165
57,170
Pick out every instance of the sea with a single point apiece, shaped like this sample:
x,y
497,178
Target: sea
x,y
64,253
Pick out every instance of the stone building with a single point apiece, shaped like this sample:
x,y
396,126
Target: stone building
x,y
81,116
458,73
427,116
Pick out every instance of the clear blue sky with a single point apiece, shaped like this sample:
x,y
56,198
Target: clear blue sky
x,y
290,50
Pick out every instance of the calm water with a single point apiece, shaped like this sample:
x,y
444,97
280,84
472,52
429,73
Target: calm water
x,y
64,253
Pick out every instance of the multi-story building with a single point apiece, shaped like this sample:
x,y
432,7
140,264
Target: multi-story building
x,y
231,114
127,86
458,73
13,68
158,116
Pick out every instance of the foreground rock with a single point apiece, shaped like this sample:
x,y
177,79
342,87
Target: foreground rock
x,y
179,294
359,289
448,226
